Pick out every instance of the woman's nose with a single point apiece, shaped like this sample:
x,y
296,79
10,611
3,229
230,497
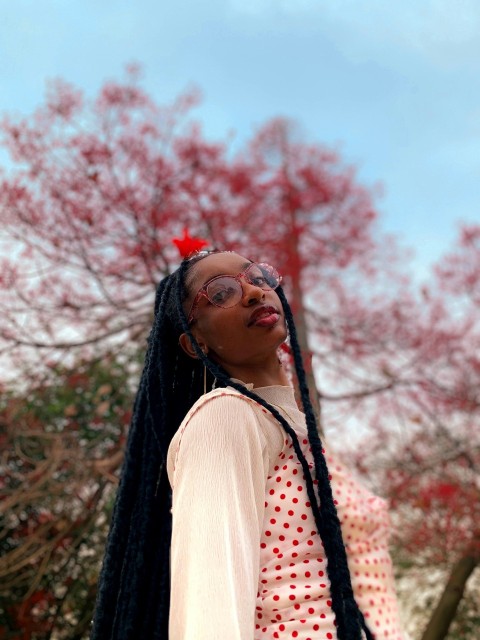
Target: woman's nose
x,y
251,293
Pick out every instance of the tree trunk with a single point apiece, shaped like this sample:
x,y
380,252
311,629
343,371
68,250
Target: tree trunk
x,y
444,613
298,311
302,334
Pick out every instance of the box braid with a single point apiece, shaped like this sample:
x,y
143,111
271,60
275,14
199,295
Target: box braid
x,y
133,597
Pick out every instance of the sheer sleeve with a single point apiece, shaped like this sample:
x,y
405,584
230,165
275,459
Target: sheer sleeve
x,y
218,467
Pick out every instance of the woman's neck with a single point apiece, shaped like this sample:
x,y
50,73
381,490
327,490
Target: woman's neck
x,y
265,376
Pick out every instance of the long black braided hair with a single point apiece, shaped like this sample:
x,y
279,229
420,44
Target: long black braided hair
x,y
134,587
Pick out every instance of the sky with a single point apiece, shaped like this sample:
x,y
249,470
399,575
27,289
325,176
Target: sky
x,y
394,86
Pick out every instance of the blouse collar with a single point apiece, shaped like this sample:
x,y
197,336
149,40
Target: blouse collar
x,y
275,394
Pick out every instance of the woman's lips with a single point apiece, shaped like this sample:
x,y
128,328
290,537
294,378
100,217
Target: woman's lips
x,y
267,321
264,317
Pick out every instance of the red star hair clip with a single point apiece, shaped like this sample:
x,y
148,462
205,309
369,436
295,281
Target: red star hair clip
x,y
187,246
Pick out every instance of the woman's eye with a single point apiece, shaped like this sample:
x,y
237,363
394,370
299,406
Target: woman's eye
x,y
219,296
258,281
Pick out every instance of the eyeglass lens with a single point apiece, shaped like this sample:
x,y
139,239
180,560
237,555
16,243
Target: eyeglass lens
x,y
226,291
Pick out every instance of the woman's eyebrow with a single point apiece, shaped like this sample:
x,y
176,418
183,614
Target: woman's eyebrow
x,y
222,273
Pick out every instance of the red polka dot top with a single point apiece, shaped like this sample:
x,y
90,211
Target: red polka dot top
x,y
246,560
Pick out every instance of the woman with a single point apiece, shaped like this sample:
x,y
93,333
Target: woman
x,y
252,536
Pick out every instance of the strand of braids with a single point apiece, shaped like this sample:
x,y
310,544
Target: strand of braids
x,y
133,594
131,565
349,619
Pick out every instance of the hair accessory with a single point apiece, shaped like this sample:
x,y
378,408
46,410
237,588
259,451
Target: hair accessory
x,y
188,245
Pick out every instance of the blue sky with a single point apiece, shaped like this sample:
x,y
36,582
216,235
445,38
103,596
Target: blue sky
x,y
394,85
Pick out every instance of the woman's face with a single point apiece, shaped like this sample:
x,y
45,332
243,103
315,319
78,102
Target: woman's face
x,y
244,334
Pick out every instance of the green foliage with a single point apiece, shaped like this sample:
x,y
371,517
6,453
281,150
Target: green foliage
x,y
62,441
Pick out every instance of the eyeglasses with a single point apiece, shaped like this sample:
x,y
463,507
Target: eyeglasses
x,y
227,291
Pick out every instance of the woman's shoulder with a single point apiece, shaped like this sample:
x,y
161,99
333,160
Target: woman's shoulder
x,y
223,421
225,404
226,418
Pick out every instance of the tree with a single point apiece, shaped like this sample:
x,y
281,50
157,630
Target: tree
x,y
431,480
87,216
62,444
102,187
430,468
99,189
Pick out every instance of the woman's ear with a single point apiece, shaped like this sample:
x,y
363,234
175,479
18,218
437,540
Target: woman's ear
x,y
186,344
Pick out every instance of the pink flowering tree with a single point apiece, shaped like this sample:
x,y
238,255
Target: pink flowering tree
x,y
424,452
97,191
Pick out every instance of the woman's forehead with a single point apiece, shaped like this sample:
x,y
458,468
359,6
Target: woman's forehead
x,y
214,265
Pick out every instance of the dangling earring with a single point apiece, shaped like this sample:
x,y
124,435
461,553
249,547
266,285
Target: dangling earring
x,y
204,374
